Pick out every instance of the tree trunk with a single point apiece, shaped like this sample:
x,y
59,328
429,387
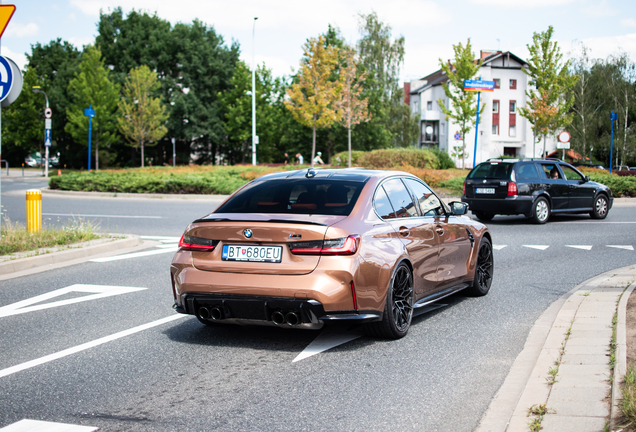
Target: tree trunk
x,y
313,147
534,143
142,154
543,155
97,155
349,130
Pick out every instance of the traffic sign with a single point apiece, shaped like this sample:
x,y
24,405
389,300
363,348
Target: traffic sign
x,y
564,137
457,136
89,112
47,137
48,112
6,78
479,85
6,12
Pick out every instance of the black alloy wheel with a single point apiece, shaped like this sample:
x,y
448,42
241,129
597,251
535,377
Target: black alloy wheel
x,y
601,207
398,309
483,270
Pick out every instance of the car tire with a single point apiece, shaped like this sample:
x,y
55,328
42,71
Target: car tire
x,y
601,207
541,211
398,308
484,267
484,217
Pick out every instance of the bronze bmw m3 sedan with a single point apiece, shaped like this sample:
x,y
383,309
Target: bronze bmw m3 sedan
x,y
302,248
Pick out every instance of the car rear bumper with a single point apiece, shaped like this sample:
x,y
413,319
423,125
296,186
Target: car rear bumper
x,y
265,310
511,205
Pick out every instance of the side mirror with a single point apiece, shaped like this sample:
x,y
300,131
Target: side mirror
x,y
458,208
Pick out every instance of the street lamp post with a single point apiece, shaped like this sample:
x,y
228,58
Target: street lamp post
x,y
254,137
47,130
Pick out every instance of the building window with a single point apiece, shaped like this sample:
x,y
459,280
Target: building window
x,y
429,106
495,129
416,107
513,107
497,83
513,131
513,84
510,151
495,106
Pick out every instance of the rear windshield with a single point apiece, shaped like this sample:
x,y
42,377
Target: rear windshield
x,y
491,170
295,196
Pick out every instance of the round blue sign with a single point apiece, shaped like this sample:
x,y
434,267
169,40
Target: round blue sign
x,y
6,78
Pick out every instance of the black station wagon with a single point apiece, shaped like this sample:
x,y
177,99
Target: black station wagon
x,y
535,188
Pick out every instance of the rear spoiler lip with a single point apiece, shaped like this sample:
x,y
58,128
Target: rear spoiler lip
x,y
253,221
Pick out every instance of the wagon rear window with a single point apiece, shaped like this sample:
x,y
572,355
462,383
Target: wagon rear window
x,y
492,171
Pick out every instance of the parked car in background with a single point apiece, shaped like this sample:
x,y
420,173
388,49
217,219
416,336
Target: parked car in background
x,y
304,248
588,165
535,188
620,168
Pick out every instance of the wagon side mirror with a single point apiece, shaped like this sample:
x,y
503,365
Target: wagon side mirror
x,y
458,208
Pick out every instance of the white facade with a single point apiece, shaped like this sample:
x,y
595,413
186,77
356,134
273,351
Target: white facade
x,y
502,130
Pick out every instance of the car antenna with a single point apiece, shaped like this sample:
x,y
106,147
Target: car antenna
x,y
311,173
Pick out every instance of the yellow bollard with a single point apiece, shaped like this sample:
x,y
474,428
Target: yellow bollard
x,y
34,210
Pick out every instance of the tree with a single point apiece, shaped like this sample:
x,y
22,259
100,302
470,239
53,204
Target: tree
x,y
91,86
553,86
463,109
55,65
586,103
313,97
353,108
23,122
143,116
621,78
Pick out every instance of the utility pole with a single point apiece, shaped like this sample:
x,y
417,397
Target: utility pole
x,y
254,137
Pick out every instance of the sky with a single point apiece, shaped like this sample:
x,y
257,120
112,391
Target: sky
x,y
430,27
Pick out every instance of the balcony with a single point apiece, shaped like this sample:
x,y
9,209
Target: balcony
x,y
433,115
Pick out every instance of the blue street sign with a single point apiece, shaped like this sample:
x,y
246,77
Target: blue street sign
x,y
47,137
6,78
89,112
479,85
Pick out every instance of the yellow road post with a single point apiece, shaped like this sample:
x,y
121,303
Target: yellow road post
x,y
34,210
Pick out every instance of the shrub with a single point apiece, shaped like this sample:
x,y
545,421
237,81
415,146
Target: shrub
x,y
396,158
621,186
625,173
444,160
341,159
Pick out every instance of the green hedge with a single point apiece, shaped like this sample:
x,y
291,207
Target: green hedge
x,y
389,159
621,186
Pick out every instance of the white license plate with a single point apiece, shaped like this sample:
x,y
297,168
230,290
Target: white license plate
x,y
485,190
252,253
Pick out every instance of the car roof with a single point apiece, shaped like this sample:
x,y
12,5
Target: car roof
x,y
351,174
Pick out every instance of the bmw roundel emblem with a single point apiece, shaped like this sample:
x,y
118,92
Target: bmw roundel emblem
x,y
247,233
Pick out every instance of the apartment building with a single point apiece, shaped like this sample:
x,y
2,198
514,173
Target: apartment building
x,y
502,131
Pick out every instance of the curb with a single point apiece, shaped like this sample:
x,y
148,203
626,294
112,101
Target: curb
x,y
52,256
620,367
502,407
134,195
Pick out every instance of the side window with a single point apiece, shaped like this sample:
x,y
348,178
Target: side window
x,y
382,204
570,173
551,171
527,171
429,204
400,198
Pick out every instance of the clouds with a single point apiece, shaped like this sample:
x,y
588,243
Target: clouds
x,y
602,9
19,30
522,3
602,47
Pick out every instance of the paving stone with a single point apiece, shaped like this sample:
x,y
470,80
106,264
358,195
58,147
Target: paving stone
x,y
561,423
588,401
591,334
585,359
583,349
588,342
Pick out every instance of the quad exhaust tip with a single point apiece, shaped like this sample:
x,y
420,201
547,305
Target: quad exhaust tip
x,y
290,318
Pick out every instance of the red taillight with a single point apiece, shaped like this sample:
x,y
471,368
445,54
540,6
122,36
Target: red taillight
x,y
512,188
341,246
353,293
191,243
464,192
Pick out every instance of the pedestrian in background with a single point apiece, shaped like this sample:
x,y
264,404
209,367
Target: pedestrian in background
x,y
318,159
299,159
286,158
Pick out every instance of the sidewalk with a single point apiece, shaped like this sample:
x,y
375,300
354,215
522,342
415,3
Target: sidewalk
x,y
565,364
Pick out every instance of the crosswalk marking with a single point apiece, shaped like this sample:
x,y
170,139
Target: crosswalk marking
x,y
329,338
498,247
163,239
539,247
136,254
626,247
27,425
579,247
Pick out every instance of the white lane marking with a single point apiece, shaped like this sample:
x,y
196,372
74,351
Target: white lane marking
x,y
540,247
99,291
102,216
327,339
598,222
168,245
164,239
27,425
498,247
74,350
135,255
626,247
579,247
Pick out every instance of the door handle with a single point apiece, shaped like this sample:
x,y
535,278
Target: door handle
x,y
404,231
439,230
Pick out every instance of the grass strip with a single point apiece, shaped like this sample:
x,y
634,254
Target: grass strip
x,y
16,238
